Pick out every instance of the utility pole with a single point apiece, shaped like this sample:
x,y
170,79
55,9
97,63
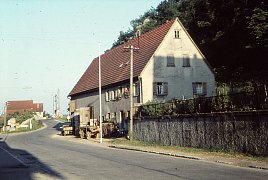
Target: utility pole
x,y
132,48
100,95
53,103
58,103
5,117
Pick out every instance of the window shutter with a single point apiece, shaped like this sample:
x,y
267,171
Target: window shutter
x,y
194,88
154,88
165,84
204,88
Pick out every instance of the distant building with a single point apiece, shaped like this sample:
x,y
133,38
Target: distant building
x,y
24,106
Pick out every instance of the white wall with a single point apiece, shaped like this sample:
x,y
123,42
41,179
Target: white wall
x,y
179,78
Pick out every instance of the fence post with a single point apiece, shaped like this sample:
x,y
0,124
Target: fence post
x,y
155,109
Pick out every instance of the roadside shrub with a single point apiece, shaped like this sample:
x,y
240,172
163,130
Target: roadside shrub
x,y
20,117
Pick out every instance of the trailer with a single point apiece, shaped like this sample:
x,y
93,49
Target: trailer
x,y
90,127
67,129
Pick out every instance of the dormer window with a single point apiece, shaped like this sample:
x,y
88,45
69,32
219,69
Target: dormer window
x,y
177,33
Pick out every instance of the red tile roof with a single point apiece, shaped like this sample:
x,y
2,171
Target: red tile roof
x,y
111,71
22,106
38,107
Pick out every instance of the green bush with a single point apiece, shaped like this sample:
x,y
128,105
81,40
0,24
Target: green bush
x,y
20,117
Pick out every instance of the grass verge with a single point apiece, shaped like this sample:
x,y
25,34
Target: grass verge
x,y
188,150
36,124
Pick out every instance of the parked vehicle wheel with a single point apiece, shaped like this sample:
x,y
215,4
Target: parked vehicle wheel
x,y
88,134
82,134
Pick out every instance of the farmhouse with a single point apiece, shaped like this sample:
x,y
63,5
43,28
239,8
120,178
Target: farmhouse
x,y
24,106
167,65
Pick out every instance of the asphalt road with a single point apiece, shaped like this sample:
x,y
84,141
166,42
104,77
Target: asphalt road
x,y
50,157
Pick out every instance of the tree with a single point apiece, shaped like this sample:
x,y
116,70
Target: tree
x,y
238,27
258,25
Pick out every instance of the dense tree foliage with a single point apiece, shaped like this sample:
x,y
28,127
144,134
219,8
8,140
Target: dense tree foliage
x,y
233,34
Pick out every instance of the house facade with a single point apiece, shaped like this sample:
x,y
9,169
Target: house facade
x,y
167,65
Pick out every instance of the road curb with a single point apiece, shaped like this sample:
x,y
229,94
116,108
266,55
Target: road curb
x,y
182,156
258,167
156,152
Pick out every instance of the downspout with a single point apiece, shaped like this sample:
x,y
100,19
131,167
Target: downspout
x,y
141,94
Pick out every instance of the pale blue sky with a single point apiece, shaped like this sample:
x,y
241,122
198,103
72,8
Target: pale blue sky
x,y
48,44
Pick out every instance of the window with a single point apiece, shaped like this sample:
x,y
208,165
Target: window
x,y
177,33
107,96
108,116
135,89
128,115
126,91
170,61
115,94
199,88
112,115
160,88
186,61
119,93
111,95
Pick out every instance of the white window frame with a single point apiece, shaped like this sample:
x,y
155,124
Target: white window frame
x,y
110,95
160,88
115,94
107,98
119,92
177,33
135,89
126,89
199,88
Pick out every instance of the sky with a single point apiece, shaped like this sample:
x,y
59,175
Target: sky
x,y
47,45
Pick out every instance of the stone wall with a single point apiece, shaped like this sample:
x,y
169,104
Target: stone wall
x,y
239,132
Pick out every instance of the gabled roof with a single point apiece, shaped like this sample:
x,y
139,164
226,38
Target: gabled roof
x,y
19,105
115,64
24,105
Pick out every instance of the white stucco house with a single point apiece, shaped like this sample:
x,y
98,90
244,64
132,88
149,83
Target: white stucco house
x,y
168,65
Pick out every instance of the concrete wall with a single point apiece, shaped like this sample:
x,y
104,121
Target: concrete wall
x,y
179,78
239,132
